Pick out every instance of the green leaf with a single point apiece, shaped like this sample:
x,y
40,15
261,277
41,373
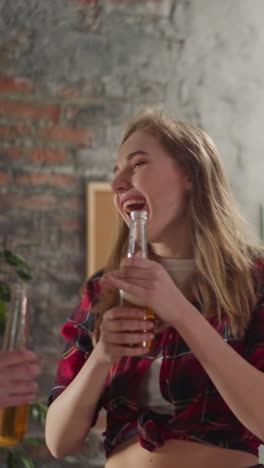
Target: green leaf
x,y
27,462
2,312
36,442
38,412
12,460
14,259
5,291
27,244
3,451
17,459
24,273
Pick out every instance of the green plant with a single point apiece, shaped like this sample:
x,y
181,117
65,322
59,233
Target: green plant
x,y
10,260
12,263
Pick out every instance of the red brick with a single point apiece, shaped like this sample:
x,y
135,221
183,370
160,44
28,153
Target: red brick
x,y
73,203
68,92
10,131
13,153
60,180
70,224
76,136
14,85
31,202
48,156
4,178
69,269
29,111
72,244
86,89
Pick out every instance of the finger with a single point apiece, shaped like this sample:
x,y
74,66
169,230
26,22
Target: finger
x,y
22,371
130,274
8,358
119,312
24,387
127,351
131,325
132,271
17,400
140,262
133,289
20,387
30,355
142,283
129,338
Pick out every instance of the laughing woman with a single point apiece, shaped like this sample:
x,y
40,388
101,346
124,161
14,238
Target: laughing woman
x,y
197,401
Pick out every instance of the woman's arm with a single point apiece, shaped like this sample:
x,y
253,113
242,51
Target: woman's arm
x,y
240,384
70,415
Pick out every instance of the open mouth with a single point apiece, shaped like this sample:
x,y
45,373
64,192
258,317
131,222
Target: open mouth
x,y
133,205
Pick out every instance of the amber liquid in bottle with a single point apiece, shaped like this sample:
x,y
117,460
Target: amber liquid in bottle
x,y
14,420
137,245
13,425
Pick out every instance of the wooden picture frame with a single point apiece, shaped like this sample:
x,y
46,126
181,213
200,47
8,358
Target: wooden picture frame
x,y
101,225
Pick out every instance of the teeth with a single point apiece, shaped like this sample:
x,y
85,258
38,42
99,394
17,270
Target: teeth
x,y
127,206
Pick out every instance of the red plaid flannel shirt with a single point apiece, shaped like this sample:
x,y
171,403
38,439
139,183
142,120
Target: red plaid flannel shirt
x,y
200,414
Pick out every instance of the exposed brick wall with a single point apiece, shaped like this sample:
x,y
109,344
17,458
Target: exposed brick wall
x,y
71,72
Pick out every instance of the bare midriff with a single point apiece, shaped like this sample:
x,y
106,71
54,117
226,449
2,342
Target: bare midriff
x,y
178,454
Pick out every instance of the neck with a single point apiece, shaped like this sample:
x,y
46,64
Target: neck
x,y
179,247
175,241
164,251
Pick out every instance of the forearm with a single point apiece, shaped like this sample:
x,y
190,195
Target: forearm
x,y
70,416
239,383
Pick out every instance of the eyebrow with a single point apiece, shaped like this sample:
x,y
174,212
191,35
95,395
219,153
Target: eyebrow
x,y
131,156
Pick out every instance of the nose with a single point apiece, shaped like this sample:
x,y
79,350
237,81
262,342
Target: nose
x,y
121,182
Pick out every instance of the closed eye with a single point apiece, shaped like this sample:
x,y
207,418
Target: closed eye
x,y
139,163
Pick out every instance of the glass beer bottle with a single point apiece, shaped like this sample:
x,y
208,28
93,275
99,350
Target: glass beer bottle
x,y
13,421
137,245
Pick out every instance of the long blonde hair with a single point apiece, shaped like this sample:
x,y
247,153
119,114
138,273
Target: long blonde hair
x,y
225,248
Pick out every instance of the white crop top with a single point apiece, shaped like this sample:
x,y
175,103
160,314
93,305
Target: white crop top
x,y
149,393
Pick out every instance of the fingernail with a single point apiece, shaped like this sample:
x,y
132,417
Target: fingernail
x,y
149,325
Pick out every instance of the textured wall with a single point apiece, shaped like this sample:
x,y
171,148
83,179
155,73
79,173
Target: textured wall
x,y
71,72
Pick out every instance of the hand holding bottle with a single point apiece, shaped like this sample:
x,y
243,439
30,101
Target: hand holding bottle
x,y
18,369
19,366
151,283
122,326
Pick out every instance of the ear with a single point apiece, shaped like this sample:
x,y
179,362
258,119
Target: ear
x,y
188,183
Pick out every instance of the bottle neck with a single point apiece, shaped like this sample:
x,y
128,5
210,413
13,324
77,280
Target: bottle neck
x,y
137,241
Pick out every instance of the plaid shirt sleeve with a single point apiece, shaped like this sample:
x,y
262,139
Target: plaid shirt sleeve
x,y
77,332
255,334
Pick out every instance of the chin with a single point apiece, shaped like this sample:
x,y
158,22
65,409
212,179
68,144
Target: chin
x,y
153,239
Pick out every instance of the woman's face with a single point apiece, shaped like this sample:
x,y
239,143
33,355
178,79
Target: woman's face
x,y
147,177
